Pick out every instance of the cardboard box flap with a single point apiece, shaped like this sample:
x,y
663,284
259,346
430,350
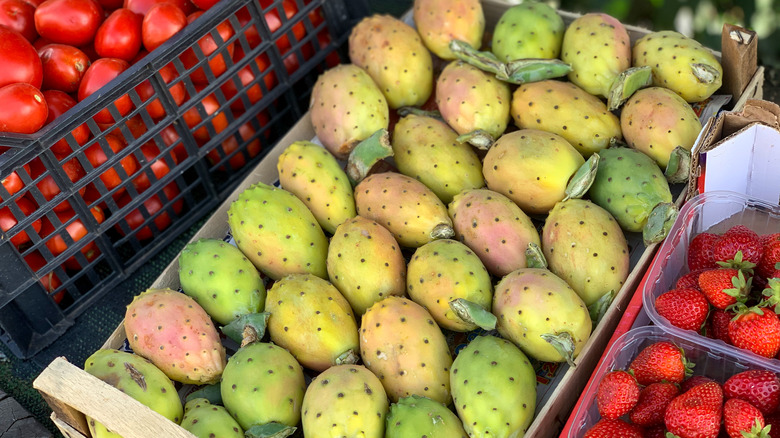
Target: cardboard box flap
x,y
740,53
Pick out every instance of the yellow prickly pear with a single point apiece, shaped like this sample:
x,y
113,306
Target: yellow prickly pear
x,y
441,21
205,420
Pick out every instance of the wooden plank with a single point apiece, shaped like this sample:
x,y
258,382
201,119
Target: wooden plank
x,y
16,422
65,428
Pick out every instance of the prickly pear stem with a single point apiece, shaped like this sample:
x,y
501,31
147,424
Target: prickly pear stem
x,y
348,357
406,110
563,344
481,139
442,231
679,166
706,74
247,328
473,313
523,71
486,61
583,178
659,223
626,84
270,430
599,308
534,257
212,393
367,154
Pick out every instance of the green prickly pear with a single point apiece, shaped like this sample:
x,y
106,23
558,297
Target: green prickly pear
x,y
421,416
403,346
493,388
394,56
345,401
427,149
680,64
656,121
529,30
443,271
365,263
567,110
220,278
136,377
262,384
585,246
174,332
277,232
205,420
441,21
313,321
494,227
313,175
532,168
346,107
405,206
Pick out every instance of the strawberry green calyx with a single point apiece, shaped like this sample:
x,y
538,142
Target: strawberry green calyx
x,y
626,84
772,292
758,430
738,263
741,287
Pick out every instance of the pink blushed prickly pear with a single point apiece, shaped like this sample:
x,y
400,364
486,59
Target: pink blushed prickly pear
x,y
365,263
176,334
345,400
441,21
403,346
205,420
415,415
346,107
394,56
528,30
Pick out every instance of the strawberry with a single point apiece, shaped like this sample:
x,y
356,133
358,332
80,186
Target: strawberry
x,y
653,399
700,251
757,330
657,431
743,420
658,362
617,394
607,428
683,308
771,256
773,420
738,238
724,286
692,381
759,387
689,280
766,238
718,327
696,413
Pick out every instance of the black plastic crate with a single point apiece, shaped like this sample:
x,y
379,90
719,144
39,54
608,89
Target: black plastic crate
x,y
159,167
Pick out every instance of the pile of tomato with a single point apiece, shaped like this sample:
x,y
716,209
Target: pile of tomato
x,y
56,53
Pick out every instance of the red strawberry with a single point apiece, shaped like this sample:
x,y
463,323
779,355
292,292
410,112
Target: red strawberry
x,y
700,251
617,394
723,286
696,413
658,362
692,381
773,420
759,387
756,330
653,399
718,327
683,308
766,238
657,431
740,416
689,280
607,428
738,238
771,256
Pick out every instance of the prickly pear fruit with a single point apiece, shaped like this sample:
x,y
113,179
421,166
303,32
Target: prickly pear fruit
x,y
403,346
220,278
567,110
428,150
205,420
528,30
136,377
346,107
542,314
405,206
277,232
598,48
345,400
263,383
532,168
421,416
313,175
445,270
471,100
494,227
394,56
313,321
176,334
365,263
680,64
585,246
441,21
655,120
487,408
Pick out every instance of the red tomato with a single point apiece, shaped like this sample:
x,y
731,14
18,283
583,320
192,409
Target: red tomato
x,y
219,121
8,221
146,91
73,22
247,76
110,5
98,74
77,231
237,161
162,21
22,109
208,45
19,61
205,4
13,182
49,188
135,124
63,67
110,177
274,22
19,16
141,7
40,42
159,166
50,281
59,103
170,136
119,36
35,3
135,219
